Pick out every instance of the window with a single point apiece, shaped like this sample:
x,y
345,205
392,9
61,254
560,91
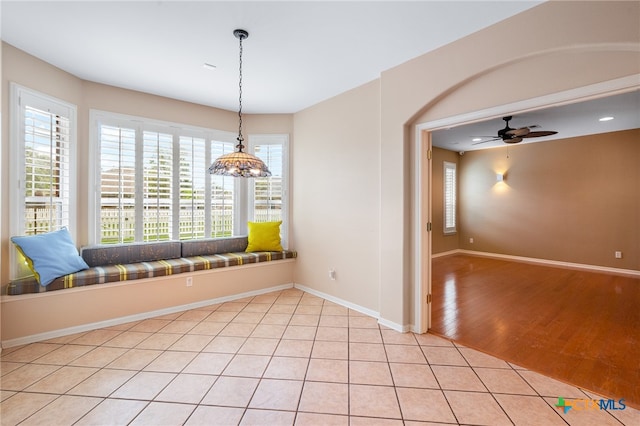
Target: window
x,y
192,194
222,212
117,174
157,186
153,184
43,143
269,194
449,198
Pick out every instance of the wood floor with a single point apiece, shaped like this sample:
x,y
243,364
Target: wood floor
x,y
579,327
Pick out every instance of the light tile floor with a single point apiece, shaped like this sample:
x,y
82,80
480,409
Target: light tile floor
x,y
281,358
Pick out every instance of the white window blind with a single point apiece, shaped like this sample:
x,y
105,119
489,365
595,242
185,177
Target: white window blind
x,y
46,171
269,194
118,184
192,188
449,198
223,195
43,146
267,205
157,186
153,184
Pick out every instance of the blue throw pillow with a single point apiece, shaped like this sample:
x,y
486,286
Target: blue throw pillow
x,y
50,255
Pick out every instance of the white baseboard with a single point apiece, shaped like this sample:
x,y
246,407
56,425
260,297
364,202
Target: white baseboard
x,y
395,326
547,262
137,317
386,323
445,253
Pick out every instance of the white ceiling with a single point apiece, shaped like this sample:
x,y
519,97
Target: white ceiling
x,y
297,54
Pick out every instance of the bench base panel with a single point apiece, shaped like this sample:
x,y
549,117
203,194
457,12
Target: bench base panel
x,y
36,317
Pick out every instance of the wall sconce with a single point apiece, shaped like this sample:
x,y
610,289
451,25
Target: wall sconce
x,y
499,177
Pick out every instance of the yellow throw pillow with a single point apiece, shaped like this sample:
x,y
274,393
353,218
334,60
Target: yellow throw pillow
x,y
264,236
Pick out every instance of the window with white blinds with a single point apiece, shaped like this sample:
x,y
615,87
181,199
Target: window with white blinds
x,y
153,184
269,195
43,144
117,184
450,198
192,198
223,195
157,186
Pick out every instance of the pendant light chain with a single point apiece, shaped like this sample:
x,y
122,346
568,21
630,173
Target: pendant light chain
x,y
240,138
240,163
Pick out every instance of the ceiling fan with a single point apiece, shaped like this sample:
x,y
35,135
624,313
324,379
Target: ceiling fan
x,y
509,135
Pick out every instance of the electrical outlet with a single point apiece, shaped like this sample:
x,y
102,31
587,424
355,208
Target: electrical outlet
x,y
332,274
189,281
471,240
618,255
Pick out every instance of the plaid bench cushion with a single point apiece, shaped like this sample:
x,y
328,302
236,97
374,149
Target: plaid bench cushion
x,y
136,271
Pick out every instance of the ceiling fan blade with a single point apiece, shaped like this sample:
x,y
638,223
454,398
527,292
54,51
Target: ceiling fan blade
x,y
488,140
539,134
516,133
512,140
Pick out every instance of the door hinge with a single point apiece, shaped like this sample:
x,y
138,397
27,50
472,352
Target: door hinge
x,y
429,155
428,226
429,298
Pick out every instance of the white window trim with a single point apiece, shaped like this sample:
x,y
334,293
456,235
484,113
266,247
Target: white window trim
x,y
275,139
17,95
141,124
451,229
243,187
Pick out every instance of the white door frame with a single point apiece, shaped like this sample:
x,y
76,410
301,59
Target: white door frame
x,y
422,208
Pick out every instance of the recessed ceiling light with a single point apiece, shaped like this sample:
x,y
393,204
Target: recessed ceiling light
x,y
609,118
209,66
476,139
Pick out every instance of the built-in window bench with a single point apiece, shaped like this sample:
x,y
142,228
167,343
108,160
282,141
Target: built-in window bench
x,y
124,262
136,281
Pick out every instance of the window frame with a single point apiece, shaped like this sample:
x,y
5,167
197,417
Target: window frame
x,y
273,139
243,188
447,191
19,97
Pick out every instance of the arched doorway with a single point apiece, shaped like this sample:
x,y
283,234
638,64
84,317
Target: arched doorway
x,y
423,178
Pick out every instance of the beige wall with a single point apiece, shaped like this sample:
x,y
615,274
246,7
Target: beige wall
x,y
106,304
511,61
30,72
351,163
3,142
336,178
508,62
441,242
572,200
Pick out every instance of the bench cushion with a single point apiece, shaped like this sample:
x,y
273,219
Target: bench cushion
x,y
213,245
139,270
122,254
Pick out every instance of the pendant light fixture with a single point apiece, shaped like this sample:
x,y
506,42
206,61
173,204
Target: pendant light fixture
x,y
240,163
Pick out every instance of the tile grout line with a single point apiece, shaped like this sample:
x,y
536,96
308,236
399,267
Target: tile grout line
x,y
484,385
296,318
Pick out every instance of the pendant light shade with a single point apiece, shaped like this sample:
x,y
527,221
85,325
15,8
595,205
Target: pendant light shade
x,y
240,163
